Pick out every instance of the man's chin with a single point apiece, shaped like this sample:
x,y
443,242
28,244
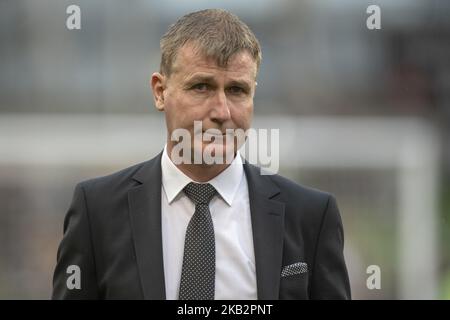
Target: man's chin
x,y
216,152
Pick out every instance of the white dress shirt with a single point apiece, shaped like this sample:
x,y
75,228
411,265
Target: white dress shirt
x,y
230,212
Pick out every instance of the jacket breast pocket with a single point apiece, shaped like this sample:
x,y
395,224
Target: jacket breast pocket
x,y
294,287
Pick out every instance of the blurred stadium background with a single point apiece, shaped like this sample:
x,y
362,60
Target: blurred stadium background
x,y
364,114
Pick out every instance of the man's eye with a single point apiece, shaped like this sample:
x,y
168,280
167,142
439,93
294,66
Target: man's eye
x,y
236,90
200,87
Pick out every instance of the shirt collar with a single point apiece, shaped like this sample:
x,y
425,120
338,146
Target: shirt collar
x,y
226,183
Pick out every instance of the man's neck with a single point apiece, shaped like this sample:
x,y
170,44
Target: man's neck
x,y
202,172
199,172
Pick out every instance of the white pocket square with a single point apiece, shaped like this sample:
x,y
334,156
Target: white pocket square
x,y
295,268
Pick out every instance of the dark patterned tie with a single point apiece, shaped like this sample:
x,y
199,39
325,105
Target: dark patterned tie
x,y
199,260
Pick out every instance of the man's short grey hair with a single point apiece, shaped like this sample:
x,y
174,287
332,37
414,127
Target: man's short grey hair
x,y
216,33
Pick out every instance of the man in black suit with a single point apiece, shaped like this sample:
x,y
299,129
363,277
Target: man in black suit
x,y
176,228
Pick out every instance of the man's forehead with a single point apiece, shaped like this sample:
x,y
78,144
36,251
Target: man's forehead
x,y
190,59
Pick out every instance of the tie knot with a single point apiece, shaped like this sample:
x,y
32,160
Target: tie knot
x,y
200,192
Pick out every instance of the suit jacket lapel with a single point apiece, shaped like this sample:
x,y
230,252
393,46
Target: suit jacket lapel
x,y
145,216
268,231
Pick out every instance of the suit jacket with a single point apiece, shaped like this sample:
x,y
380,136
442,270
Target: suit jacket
x,y
112,232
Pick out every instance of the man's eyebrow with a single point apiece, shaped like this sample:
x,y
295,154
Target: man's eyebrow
x,y
210,79
240,83
200,78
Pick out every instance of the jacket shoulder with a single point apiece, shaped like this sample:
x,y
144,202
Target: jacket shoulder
x,y
294,189
112,180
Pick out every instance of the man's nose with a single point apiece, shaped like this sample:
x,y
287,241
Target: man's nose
x,y
220,111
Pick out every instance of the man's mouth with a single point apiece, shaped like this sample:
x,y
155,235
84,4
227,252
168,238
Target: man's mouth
x,y
208,135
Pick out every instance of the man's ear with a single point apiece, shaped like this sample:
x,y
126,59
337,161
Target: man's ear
x,y
158,84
